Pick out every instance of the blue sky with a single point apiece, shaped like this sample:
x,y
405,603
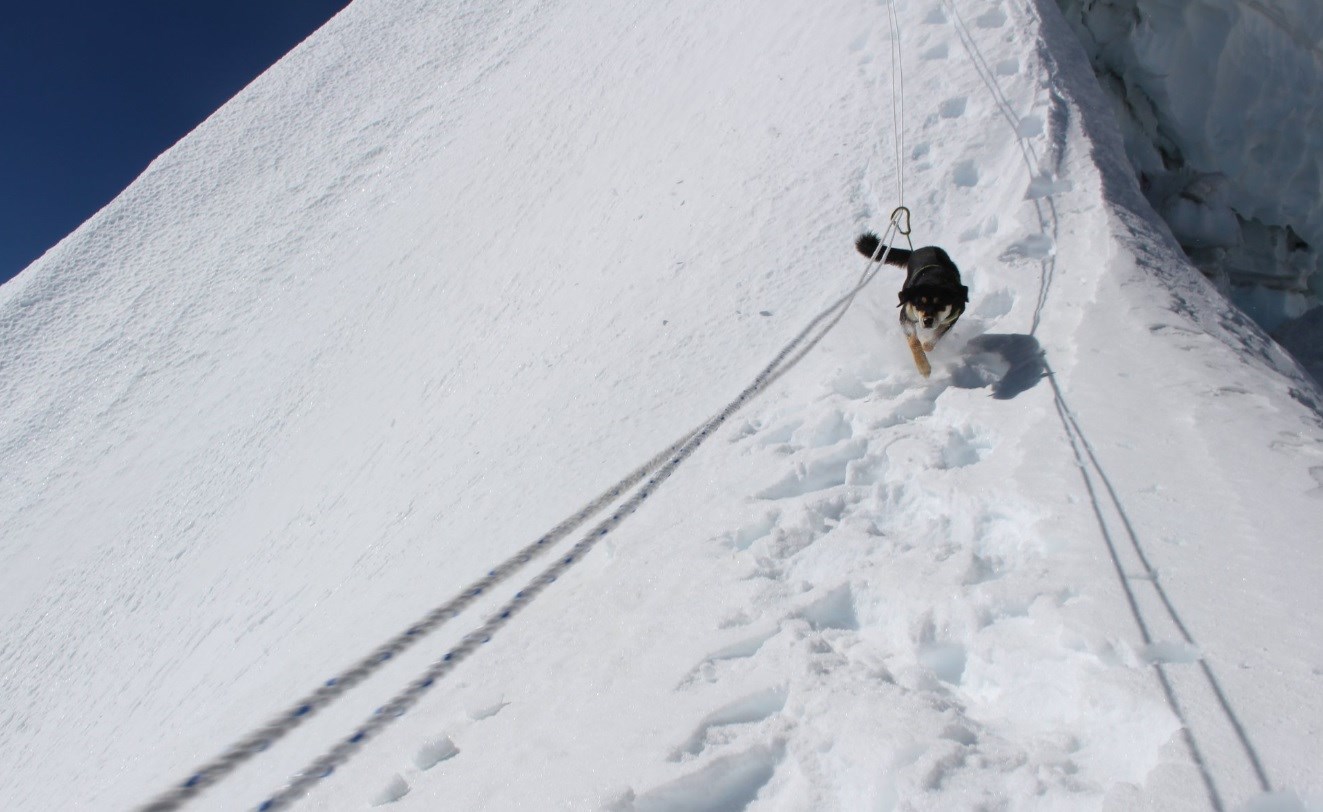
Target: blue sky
x,y
92,91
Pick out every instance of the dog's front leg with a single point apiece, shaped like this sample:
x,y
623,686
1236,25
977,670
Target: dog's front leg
x,y
916,349
920,359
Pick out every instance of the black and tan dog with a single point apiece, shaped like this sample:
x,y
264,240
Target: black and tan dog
x,y
932,297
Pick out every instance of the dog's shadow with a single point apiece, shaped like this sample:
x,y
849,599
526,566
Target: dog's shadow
x,y
1006,363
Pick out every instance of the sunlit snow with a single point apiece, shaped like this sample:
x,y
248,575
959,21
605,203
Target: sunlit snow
x,y
449,271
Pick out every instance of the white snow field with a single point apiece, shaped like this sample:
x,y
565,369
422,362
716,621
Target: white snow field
x,y
449,271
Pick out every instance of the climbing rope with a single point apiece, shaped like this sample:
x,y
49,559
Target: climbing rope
x,y
897,102
660,467
302,710
345,749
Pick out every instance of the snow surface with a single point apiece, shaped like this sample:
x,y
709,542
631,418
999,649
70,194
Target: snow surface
x,y
437,279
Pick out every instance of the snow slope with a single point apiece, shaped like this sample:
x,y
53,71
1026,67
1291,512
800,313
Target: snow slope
x,y
437,279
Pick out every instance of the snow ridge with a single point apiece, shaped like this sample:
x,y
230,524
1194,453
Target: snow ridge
x,y
1159,653
1041,195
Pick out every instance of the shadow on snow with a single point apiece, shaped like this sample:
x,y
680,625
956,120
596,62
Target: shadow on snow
x,y
1007,363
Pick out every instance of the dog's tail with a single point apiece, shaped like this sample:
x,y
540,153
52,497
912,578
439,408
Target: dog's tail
x,y
870,246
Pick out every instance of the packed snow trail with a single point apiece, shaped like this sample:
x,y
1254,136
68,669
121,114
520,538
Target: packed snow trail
x,y
439,277
1040,193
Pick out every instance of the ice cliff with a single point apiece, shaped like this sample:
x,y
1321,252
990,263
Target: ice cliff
x,y
1219,104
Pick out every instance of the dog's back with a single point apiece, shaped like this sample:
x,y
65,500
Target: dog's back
x,y
930,265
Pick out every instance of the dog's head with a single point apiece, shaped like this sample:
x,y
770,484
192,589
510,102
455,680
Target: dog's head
x,y
932,306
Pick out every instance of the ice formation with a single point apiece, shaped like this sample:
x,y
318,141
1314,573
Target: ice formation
x,y
1218,100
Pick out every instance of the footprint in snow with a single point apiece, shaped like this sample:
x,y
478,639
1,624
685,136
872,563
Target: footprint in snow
x,y
952,108
939,762
829,429
965,174
435,752
485,707
744,538
888,390
835,610
755,707
995,304
727,784
818,473
428,756
778,435
908,410
849,386
1034,246
783,533
1045,186
963,447
945,660
981,570
394,790
741,649
987,228
1031,126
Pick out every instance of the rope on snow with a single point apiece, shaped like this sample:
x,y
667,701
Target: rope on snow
x,y
898,105
345,749
302,710
660,467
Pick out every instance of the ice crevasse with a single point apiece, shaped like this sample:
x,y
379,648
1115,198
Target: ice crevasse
x,y
1219,104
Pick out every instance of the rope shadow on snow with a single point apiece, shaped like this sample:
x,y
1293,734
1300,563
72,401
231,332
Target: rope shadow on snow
x,y
1007,363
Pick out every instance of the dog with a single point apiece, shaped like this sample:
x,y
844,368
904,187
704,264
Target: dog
x,y
932,298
